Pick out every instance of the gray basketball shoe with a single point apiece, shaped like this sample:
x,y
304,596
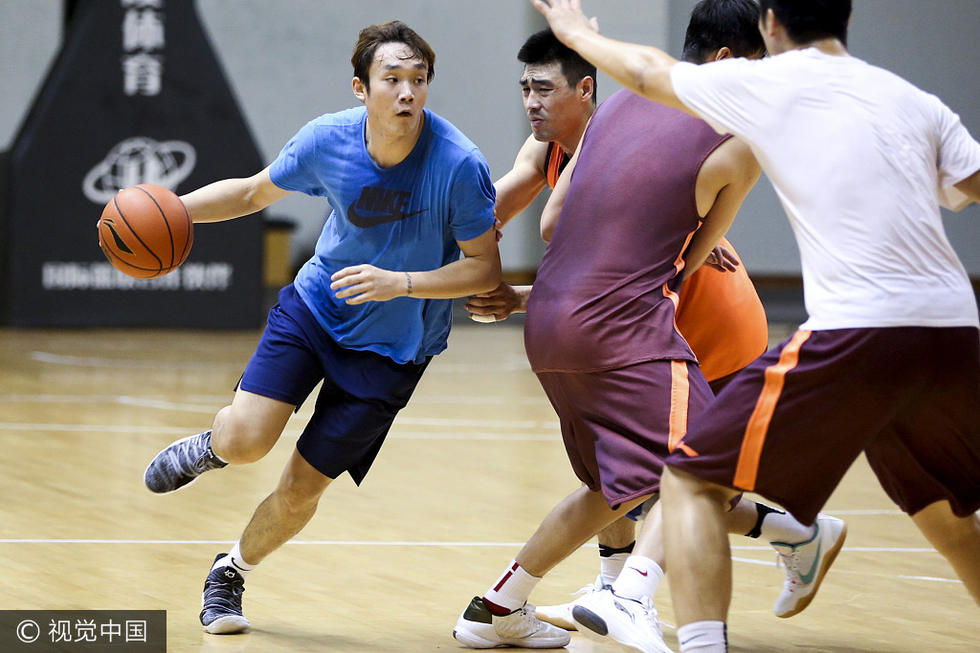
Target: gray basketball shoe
x,y
181,463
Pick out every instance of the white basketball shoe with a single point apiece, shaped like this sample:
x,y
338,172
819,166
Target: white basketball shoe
x,y
806,564
604,617
561,615
477,627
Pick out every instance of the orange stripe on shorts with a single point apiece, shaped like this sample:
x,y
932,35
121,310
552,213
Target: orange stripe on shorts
x,y
758,426
680,390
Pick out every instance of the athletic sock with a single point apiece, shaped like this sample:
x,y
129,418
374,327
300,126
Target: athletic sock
x,y
211,449
611,561
640,577
235,560
510,592
778,526
703,637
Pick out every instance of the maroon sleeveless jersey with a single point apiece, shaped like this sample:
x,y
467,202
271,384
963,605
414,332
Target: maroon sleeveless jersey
x,y
606,290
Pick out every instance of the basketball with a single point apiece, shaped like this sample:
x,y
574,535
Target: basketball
x,y
145,231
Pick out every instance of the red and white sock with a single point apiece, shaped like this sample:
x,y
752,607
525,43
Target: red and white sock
x,y
511,590
640,577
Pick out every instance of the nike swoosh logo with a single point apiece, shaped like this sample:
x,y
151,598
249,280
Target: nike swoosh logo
x,y
807,578
365,221
642,573
691,639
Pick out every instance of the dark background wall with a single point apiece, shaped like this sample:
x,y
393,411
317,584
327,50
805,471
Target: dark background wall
x,y
288,60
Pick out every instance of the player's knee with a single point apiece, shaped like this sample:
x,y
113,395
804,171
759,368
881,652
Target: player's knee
x,y
240,440
676,484
947,532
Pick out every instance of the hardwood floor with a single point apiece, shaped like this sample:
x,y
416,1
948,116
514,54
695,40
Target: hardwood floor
x,y
469,469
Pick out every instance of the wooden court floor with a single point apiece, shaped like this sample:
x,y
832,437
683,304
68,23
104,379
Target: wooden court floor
x,y
470,468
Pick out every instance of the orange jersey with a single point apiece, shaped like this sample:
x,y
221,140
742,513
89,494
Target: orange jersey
x,y
722,319
554,162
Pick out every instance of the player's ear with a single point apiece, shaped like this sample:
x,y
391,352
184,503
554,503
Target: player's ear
x,y
359,88
768,22
722,53
587,87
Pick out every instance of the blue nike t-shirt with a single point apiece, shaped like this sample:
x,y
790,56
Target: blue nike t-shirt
x,y
406,217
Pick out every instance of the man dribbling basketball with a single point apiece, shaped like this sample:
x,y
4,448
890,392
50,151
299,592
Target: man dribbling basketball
x,y
409,192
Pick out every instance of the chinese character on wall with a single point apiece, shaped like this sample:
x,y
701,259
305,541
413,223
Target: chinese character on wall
x,y
143,40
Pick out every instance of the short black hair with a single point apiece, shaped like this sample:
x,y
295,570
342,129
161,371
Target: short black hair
x,y
811,20
393,31
544,47
715,24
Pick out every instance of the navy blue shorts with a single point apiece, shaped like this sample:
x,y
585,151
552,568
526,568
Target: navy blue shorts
x,y
361,394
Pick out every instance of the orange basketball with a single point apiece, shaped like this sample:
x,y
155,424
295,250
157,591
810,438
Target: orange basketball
x,y
145,231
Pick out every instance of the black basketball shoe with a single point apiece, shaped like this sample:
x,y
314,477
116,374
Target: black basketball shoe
x,y
222,601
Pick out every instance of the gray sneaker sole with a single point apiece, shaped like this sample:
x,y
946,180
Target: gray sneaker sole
x,y
594,628
593,624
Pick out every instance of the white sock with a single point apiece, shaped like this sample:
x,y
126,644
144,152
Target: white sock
x,y
780,526
703,637
640,577
234,559
510,592
611,566
212,450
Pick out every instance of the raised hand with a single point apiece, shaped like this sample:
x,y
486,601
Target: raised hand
x,y
565,17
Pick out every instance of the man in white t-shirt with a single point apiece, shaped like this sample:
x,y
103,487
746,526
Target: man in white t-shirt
x,y
888,362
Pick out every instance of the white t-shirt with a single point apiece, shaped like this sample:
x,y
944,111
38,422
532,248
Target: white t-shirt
x,y
861,160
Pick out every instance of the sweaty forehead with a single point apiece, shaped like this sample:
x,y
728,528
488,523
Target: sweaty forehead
x,y
396,55
550,72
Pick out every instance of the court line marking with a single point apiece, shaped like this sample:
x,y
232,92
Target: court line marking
x,y
214,402
290,432
423,544
891,511
374,543
932,579
513,365
125,363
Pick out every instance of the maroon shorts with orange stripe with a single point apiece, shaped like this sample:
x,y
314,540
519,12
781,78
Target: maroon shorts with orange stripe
x,y
618,425
791,423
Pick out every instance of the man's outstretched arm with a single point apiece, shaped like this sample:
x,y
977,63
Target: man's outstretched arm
x,y
971,186
645,70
